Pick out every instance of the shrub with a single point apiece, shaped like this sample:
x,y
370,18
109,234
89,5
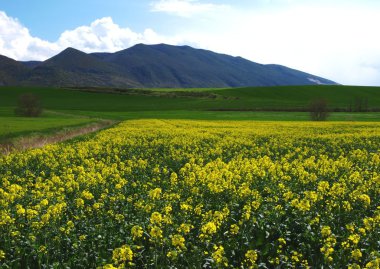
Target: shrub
x,y
29,105
318,110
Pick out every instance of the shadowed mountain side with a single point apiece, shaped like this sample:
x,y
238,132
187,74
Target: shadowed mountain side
x,y
75,68
158,66
11,71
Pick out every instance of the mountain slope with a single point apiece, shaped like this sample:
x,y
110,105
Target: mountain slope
x,y
72,67
31,64
160,66
11,71
182,66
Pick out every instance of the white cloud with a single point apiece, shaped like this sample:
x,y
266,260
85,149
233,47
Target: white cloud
x,y
334,42
102,35
17,43
184,8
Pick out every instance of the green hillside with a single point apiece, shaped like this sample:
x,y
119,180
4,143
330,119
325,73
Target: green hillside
x,y
262,98
338,97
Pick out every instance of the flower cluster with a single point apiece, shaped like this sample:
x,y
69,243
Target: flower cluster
x,y
192,194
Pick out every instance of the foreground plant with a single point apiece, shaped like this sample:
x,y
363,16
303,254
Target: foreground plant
x,y
181,194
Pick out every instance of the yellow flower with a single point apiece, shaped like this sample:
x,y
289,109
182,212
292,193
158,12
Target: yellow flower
x,y
296,256
82,237
42,249
70,224
87,195
178,241
185,207
354,266
156,218
2,255
20,210
137,232
218,256
251,256
44,202
172,255
155,232
185,228
209,228
375,264
234,229
79,202
97,206
122,255
155,194
350,228
326,231
323,186
168,209
173,178
282,241
356,254
368,223
354,238
365,199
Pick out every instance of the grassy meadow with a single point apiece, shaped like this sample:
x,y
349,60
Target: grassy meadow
x,y
13,127
267,98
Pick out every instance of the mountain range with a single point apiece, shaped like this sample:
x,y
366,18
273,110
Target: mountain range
x,y
150,66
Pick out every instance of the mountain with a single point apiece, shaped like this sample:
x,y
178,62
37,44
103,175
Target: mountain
x,y
153,66
11,71
31,64
72,67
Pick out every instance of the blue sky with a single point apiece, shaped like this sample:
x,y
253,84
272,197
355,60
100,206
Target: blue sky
x,y
336,39
48,19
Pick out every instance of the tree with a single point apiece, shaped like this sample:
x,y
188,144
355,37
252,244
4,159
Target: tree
x,y
318,110
29,105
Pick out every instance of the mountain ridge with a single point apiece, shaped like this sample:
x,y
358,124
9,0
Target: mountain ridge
x,y
150,66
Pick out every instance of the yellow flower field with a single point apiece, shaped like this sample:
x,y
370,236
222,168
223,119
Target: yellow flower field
x,y
193,194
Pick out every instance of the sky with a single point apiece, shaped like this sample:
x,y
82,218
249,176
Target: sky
x,y
335,39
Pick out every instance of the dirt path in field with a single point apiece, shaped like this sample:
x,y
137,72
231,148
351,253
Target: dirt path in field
x,y
53,112
28,142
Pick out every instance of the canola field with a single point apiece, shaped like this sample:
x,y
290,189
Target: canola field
x,y
196,194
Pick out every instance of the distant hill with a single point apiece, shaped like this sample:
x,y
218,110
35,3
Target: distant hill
x,y
11,71
150,66
31,64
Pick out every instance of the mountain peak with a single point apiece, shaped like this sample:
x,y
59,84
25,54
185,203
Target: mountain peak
x,y
70,51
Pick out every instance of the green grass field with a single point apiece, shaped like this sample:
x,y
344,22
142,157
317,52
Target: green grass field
x,y
12,126
230,115
69,107
269,98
